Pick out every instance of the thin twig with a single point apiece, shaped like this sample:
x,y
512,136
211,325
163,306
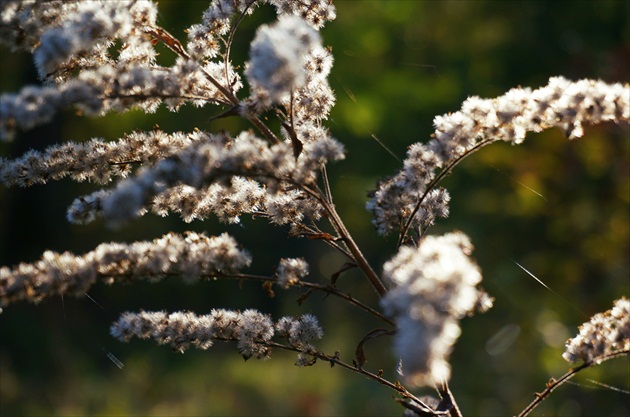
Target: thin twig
x,y
309,231
421,410
555,383
446,393
262,128
320,287
174,45
327,191
334,360
305,284
228,44
433,183
141,96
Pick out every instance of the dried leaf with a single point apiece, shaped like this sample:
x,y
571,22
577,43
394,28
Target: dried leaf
x,y
297,146
304,296
295,142
268,287
360,353
169,40
344,267
323,236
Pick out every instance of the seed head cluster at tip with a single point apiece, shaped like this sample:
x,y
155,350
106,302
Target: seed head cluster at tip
x,y
191,256
291,271
561,103
277,56
252,330
96,160
433,286
603,335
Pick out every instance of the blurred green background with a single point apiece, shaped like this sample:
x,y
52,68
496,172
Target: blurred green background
x,y
397,65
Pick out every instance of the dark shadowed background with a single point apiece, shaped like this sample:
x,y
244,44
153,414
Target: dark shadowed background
x,y
557,207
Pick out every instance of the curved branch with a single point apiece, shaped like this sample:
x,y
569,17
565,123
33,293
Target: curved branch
x,y
228,43
334,360
555,383
312,285
320,287
434,182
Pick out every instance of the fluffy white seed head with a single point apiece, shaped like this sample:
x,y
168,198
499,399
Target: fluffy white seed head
x,y
277,56
434,285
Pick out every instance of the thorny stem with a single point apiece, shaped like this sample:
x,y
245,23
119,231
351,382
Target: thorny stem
x,y
433,183
555,383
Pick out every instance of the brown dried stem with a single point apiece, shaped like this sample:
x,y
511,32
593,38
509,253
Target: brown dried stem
x,y
553,383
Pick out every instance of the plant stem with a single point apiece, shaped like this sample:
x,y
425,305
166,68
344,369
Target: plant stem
x,y
334,359
433,183
555,383
445,392
353,248
320,287
173,44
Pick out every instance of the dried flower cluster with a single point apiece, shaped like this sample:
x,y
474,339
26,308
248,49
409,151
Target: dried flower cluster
x,y
70,37
411,193
193,173
300,332
76,35
216,158
190,256
290,271
435,284
603,335
278,174
252,330
96,161
278,54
